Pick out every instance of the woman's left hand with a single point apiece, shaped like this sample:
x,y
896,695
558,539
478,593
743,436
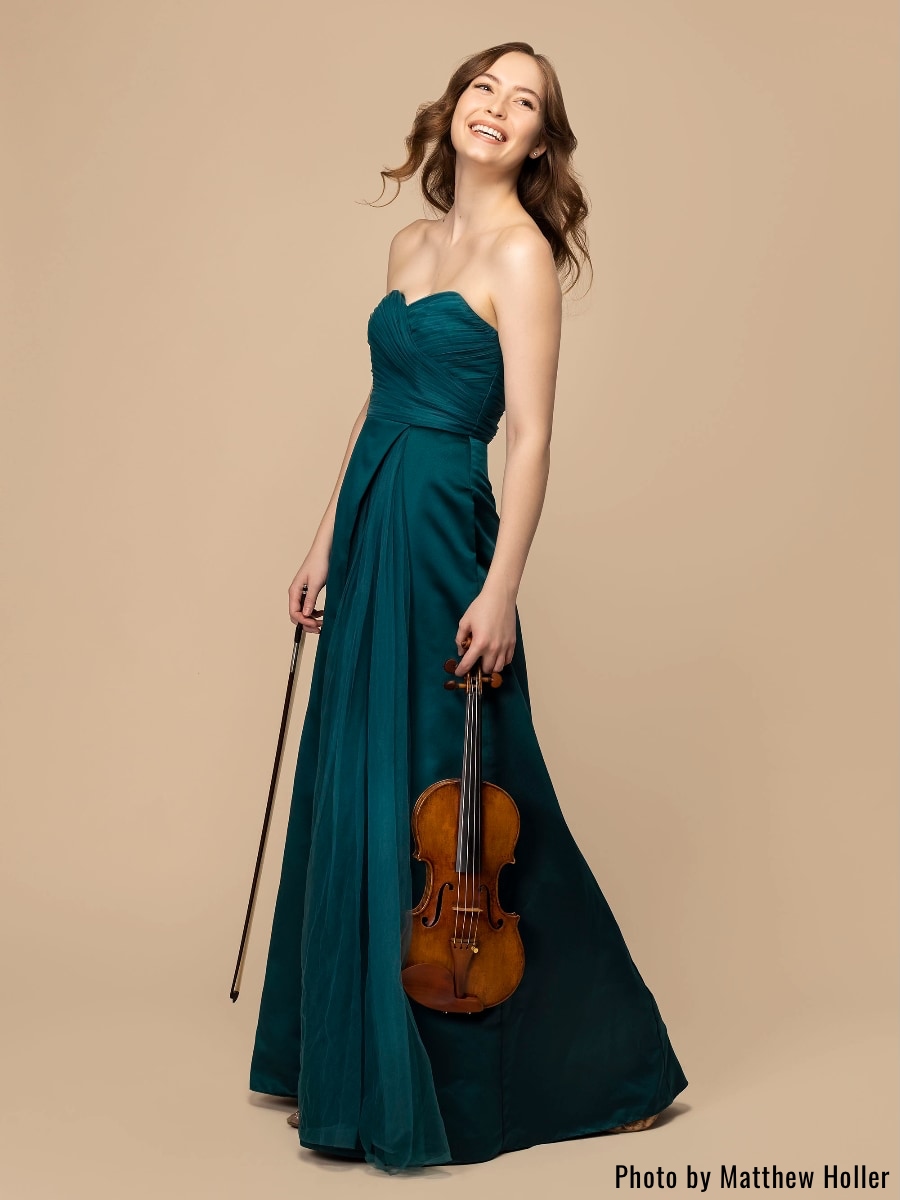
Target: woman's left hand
x,y
487,630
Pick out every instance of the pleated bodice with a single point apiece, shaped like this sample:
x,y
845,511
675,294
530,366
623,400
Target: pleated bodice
x,y
425,375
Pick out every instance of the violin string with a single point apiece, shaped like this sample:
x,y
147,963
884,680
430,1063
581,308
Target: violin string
x,y
470,724
478,802
461,821
465,800
476,806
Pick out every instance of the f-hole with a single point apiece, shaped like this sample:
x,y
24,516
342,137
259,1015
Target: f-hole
x,y
440,904
487,908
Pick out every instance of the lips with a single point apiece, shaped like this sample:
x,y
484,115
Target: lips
x,y
486,137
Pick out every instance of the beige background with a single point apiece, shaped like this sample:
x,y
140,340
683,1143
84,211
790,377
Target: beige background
x,y
708,610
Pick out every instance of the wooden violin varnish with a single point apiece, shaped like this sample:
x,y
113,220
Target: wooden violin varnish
x,y
465,953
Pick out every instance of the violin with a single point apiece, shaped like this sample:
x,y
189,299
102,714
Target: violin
x,y
465,952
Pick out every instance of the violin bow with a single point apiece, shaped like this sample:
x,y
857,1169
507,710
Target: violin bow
x,y
296,656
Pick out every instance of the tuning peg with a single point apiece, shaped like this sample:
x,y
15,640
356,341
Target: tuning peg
x,y
494,679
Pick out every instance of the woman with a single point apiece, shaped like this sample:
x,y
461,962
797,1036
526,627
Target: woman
x,y
416,557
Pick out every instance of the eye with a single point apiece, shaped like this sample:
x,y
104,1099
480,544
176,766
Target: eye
x,y
530,103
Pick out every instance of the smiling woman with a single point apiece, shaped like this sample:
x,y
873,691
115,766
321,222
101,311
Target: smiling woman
x,y
395,1059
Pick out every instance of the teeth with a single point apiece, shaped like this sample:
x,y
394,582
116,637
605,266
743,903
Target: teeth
x,y
490,132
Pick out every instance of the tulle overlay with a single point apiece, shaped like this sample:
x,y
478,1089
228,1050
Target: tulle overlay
x,y
580,1045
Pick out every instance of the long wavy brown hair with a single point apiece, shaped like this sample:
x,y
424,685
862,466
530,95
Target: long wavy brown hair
x,y
548,186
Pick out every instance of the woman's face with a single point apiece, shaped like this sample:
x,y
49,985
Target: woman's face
x,y
508,98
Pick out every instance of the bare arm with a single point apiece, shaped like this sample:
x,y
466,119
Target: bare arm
x,y
325,532
528,301
314,568
402,241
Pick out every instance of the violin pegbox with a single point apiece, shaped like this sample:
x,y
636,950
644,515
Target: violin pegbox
x,y
488,678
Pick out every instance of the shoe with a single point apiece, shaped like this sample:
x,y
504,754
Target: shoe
x,y
634,1126
294,1119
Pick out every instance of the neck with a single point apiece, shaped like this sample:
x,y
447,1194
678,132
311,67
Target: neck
x,y
480,203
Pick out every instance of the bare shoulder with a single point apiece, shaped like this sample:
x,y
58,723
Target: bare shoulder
x,y
406,241
413,232
522,267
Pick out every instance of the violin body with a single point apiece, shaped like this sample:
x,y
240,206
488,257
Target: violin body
x,y
465,952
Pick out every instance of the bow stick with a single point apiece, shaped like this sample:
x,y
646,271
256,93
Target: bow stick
x,y
296,656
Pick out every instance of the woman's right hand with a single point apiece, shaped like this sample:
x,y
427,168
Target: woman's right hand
x,y
313,572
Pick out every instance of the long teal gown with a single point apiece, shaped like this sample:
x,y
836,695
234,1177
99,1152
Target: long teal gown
x,y
580,1045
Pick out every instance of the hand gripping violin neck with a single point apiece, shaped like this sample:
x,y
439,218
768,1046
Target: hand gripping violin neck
x,y
465,953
